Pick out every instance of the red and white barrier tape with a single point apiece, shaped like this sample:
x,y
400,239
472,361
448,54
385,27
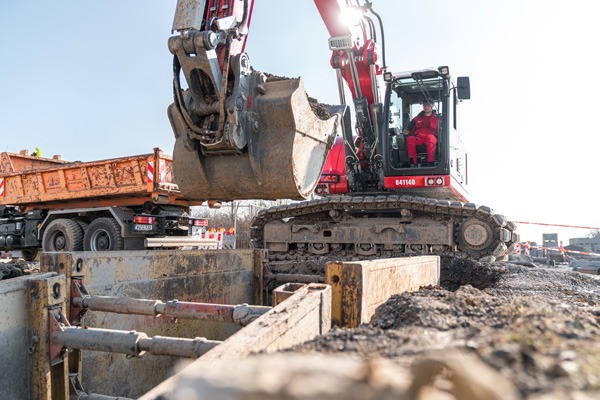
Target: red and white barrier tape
x,y
559,249
527,248
558,225
587,253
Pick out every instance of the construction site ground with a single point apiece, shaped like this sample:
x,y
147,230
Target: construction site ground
x,y
517,329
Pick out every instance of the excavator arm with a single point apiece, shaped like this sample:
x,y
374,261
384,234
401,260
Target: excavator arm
x,y
238,135
355,58
210,44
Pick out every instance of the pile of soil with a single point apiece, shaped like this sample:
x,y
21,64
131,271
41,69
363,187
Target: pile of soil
x,y
14,268
321,110
537,326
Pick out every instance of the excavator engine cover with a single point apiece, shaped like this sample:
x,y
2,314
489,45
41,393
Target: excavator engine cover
x,y
287,144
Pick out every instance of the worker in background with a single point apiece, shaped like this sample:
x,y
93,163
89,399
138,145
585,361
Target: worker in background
x,y
423,129
37,152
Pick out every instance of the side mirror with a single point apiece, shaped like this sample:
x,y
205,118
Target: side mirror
x,y
463,87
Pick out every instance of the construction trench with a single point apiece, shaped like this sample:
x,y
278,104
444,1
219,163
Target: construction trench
x,y
102,326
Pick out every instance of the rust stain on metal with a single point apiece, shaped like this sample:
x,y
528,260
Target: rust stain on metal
x,y
74,179
351,295
333,277
125,173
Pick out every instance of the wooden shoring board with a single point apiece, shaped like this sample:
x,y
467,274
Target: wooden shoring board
x,y
359,287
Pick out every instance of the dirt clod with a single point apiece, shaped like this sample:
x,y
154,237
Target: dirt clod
x,y
15,268
321,110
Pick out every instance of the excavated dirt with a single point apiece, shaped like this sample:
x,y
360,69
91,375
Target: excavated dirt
x,y
536,326
14,268
321,110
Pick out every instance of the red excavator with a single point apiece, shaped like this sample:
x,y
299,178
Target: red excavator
x,y
374,201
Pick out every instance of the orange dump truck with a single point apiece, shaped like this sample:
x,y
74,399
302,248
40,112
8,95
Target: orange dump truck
x,y
127,203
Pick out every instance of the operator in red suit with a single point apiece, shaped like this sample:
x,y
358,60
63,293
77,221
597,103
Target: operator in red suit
x,y
423,129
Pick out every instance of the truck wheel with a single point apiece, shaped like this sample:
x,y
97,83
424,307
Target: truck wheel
x,y
62,235
31,254
83,225
103,234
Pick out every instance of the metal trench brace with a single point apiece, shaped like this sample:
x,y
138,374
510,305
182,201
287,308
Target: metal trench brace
x,y
57,360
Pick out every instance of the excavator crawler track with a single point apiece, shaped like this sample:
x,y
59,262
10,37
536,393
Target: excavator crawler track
x,y
382,226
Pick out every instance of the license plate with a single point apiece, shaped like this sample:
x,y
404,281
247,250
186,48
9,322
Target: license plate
x,y
143,228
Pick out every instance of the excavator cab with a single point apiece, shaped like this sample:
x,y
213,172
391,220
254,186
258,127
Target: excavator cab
x,y
405,104
405,93
399,154
405,96
239,133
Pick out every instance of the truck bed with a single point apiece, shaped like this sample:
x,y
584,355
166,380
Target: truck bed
x,y
120,181
20,162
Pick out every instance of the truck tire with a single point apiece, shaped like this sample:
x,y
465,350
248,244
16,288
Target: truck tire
x,y
31,255
103,234
83,225
62,235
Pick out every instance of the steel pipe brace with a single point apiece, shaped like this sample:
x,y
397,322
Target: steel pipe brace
x,y
177,347
120,305
242,314
112,341
131,342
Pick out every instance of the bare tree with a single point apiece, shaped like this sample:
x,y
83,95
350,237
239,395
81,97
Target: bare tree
x,y
594,233
237,215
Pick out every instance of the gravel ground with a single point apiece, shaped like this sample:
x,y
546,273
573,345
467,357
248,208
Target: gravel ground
x,y
536,326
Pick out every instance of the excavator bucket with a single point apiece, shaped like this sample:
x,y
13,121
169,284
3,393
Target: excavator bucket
x,y
283,158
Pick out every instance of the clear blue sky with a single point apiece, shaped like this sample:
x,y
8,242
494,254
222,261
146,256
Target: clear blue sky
x,y
92,80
